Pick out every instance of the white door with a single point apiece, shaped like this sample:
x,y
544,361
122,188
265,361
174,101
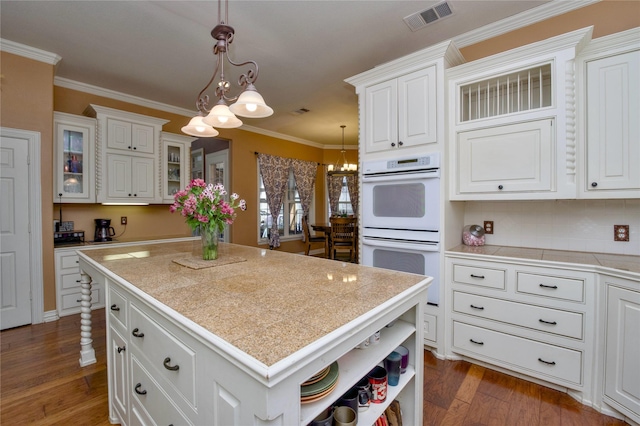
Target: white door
x,y
217,171
15,258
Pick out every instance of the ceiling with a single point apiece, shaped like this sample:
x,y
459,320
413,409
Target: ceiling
x,y
161,50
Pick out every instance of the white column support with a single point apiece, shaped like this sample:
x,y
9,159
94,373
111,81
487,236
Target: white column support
x,y
87,353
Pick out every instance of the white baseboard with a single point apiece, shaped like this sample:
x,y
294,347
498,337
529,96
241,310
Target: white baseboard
x,y
50,316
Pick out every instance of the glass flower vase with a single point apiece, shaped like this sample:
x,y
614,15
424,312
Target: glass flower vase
x,y
210,238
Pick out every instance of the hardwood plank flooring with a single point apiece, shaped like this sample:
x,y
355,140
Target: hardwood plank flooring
x,y
42,383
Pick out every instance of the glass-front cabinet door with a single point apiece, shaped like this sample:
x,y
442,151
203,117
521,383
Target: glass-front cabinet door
x,y
74,158
175,164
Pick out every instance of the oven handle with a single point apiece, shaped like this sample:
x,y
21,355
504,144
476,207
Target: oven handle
x,y
401,244
393,177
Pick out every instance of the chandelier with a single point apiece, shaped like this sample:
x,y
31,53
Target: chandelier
x,y
248,104
342,167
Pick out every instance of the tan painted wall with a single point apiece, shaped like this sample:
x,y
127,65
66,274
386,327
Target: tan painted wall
x,y
26,103
607,17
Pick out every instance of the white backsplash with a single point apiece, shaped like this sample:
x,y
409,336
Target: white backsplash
x,y
579,225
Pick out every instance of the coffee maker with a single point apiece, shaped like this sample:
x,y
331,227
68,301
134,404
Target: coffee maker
x,y
104,231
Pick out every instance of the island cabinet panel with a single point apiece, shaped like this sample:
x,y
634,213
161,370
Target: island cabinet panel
x,y
166,368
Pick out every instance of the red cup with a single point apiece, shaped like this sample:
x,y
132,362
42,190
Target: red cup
x,y
378,380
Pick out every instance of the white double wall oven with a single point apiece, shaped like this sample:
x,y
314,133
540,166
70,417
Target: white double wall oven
x,y
401,217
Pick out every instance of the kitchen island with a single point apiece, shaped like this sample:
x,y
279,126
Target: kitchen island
x,y
232,343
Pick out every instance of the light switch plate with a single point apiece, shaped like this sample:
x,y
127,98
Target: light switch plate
x,y
620,232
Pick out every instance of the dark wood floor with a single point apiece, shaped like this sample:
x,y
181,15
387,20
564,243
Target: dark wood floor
x,y
41,382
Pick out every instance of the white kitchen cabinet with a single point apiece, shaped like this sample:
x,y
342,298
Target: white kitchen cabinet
x,y
127,157
401,112
74,159
509,158
131,178
622,346
175,161
513,126
612,107
530,319
402,103
68,289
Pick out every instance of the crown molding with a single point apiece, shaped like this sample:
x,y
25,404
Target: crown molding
x,y
523,19
29,52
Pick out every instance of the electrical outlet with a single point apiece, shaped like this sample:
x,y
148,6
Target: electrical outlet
x,y
123,220
620,232
488,227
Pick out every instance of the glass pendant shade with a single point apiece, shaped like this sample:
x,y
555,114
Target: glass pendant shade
x,y
251,104
198,128
221,117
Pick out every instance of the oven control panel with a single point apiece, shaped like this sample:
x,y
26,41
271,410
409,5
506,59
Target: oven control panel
x,y
430,161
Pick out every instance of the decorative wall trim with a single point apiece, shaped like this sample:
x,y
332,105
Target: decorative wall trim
x,y
29,52
529,17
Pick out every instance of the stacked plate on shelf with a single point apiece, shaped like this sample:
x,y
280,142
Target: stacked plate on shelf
x,y
320,384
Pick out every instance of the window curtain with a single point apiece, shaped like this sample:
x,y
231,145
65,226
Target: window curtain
x,y
304,172
354,192
275,175
334,187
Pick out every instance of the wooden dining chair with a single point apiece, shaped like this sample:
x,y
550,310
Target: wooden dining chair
x,y
343,236
309,239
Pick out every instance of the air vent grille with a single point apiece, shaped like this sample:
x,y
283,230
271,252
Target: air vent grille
x,y
423,18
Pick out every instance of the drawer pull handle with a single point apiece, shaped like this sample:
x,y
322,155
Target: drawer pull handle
x,y
138,391
554,287
477,276
477,343
121,348
168,366
548,322
547,362
114,307
137,333
480,308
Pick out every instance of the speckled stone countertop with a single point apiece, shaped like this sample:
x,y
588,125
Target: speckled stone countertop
x,y
269,304
612,261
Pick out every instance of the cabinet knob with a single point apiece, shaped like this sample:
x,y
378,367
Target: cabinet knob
x,y
129,195
400,143
168,366
121,349
115,307
393,144
594,184
137,333
138,391
134,148
500,187
129,147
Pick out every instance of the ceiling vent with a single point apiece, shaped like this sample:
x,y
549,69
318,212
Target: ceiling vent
x,y
423,18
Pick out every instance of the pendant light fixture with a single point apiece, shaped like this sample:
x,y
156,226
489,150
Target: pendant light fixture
x,y
342,167
248,104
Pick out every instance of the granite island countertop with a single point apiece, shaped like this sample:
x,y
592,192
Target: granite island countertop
x,y
619,262
267,303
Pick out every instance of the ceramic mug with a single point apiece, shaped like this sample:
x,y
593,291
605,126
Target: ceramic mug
x,y
349,399
345,416
364,393
378,380
323,419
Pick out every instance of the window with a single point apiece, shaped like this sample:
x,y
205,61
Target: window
x,y
290,217
344,202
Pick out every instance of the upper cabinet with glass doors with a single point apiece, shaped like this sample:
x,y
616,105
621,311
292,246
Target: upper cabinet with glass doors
x,y
74,158
174,163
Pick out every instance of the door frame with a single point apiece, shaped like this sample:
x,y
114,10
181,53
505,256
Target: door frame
x,y
35,217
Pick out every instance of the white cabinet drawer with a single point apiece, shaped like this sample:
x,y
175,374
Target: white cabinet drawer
x,y
164,352
70,281
148,394
118,308
72,300
549,286
485,277
542,360
69,261
536,317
